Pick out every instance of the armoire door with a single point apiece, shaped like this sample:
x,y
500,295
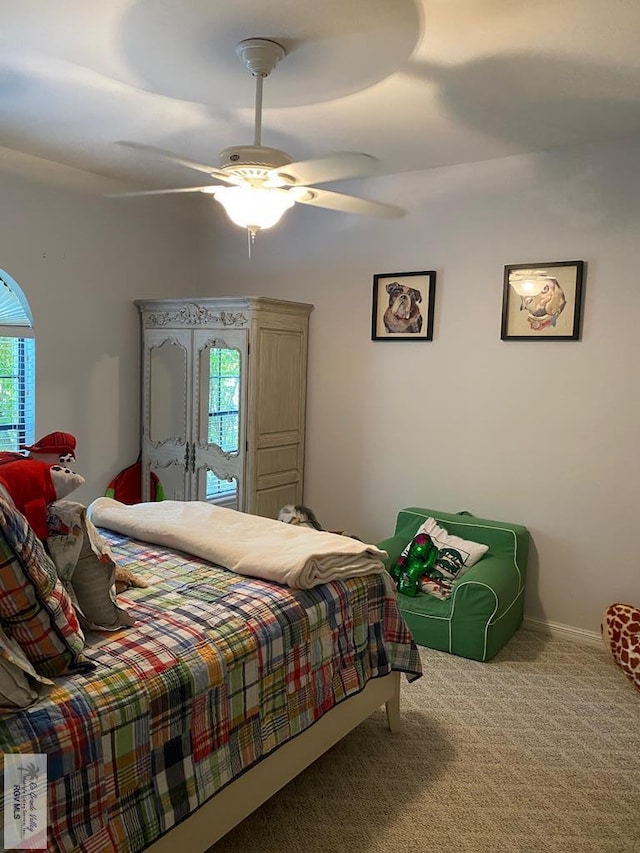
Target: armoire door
x,y
167,407
277,415
217,460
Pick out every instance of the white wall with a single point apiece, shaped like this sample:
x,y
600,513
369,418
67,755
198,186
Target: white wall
x,y
538,433
541,433
81,260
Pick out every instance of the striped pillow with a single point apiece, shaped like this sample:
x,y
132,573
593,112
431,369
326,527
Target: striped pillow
x,y
34,607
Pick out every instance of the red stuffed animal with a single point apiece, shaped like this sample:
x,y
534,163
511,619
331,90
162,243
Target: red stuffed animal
x,y
56,448
31,486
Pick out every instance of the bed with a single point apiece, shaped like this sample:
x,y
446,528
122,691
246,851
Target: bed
x,y
221,692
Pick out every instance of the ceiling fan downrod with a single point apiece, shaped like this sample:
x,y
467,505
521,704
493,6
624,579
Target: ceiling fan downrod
x,y
260,56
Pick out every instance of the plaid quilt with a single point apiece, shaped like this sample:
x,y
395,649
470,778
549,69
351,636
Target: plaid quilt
x,y
218,671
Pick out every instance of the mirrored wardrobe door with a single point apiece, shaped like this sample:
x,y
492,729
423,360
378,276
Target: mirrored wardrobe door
x,y
167,412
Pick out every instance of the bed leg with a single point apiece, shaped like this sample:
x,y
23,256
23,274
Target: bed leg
x,y
393,706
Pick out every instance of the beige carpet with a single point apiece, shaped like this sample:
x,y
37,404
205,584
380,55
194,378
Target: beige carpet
x,y
537,751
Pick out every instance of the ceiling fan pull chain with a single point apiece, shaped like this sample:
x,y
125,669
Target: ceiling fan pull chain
x,y
251,239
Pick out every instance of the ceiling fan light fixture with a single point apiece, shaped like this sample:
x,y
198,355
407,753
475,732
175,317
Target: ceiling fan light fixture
x,y
254,208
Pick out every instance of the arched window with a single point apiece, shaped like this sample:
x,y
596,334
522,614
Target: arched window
x,y
17,367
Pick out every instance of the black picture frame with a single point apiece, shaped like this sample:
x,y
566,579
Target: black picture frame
x,y
542,301
403,304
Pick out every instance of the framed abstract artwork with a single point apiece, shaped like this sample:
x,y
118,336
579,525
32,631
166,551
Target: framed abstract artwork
x,y
403,306
542,302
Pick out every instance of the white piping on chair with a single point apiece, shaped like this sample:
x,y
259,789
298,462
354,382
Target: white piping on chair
x,y
487,623
504,612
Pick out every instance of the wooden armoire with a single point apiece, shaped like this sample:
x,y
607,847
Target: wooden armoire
x,y
224,384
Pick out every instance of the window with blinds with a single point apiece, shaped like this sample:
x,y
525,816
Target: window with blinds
x,y
17,367
224,414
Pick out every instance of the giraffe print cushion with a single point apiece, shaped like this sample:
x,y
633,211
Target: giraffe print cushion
x,y
620,630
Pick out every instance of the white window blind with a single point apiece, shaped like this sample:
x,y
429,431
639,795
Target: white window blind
x,y
17,367
14,308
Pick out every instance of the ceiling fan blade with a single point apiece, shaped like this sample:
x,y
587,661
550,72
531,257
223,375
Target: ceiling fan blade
x,y
208,189
346,203
334,167
190,164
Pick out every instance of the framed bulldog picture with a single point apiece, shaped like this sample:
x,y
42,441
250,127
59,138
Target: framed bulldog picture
x,y
403,306
542,302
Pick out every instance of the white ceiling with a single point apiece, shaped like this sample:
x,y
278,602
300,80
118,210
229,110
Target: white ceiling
x,y
416,83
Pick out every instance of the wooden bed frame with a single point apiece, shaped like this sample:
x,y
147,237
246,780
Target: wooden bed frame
x,y
235,802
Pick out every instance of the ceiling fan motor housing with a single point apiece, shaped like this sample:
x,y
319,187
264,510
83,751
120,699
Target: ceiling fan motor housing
x,y
236,158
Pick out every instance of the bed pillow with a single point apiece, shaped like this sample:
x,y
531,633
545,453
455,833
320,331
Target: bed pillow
x,y
445,557
35,609
454,553
84,565
20,684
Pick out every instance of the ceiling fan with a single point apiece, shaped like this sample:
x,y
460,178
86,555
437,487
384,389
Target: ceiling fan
x,y
257,184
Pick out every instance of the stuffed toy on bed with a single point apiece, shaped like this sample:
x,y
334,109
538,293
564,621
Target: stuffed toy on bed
x,y
56,448
31,486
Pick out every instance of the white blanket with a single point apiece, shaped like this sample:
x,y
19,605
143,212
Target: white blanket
x,y
248,544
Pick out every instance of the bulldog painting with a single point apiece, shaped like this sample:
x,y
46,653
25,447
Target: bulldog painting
x,y
403,314
403,306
